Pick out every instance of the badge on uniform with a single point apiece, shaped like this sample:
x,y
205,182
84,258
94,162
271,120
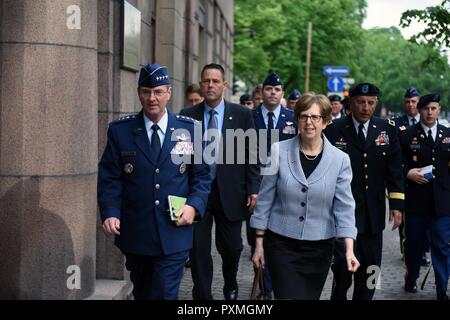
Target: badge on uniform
x,y
289,128
182,168
414,144
341,144
414,158
382,139
402,128
128,168
446,140
183,146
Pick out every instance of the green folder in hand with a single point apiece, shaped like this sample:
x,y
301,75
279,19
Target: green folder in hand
x,y
175,205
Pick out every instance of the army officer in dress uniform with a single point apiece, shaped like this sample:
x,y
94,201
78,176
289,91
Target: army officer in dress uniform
x,y
410,118
375,155
426,157
136,176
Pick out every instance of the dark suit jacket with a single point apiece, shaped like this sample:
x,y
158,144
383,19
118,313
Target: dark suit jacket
x,y
235,181
432,198
401,121
376,166
133,186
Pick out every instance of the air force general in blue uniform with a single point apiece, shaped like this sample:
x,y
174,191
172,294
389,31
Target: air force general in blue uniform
x,y
137,173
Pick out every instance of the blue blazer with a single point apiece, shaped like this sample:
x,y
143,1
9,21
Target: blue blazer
x,y
317,208
286,124
133,186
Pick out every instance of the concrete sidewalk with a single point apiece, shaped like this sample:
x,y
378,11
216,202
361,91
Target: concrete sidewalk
x,y
390,285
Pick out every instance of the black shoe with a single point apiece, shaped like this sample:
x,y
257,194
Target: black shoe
x,y
230,294
425,262
442,296
410,286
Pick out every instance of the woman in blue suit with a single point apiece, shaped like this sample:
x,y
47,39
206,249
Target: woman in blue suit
x,y
304,206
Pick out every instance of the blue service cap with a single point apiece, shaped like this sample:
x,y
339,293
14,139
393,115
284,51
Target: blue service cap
x,y
364,89
334,97
295,95
272,80
245,97
411,92
426,99
154,75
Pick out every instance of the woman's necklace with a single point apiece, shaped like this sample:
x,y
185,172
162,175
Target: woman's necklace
x,y
310,158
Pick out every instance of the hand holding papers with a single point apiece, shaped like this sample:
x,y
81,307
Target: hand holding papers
x,y
427,172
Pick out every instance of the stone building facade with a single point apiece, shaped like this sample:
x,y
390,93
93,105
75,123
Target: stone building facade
x,y
61,83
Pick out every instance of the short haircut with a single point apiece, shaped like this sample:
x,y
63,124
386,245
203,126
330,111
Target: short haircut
x,y
308,99
214,66
193,88
257,90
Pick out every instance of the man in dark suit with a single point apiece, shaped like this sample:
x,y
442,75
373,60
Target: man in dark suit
x,y
234,187
375,155
426,159
136,174
271,115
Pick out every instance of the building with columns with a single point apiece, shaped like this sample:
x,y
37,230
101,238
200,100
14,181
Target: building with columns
x,y
62,80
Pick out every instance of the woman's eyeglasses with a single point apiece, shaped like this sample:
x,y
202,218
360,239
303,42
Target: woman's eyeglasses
x,y
314,117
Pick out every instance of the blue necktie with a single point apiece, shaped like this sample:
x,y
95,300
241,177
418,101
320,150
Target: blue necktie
x,y
212,125
413,121
155,143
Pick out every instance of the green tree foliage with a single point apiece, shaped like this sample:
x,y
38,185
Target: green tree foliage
x,y
280,37
394,64
436,18
278,41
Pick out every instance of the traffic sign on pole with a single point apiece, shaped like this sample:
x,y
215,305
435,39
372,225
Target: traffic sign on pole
x,y
335,84
339,71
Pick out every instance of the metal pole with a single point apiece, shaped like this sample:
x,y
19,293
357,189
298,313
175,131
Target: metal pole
x,y
308,56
